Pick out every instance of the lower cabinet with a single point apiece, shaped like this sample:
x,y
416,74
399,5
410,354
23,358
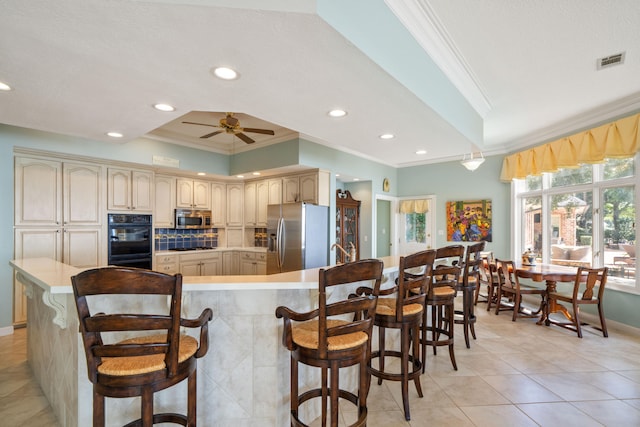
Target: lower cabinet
x,y
167,264
253,263
228,263
231,263
201,264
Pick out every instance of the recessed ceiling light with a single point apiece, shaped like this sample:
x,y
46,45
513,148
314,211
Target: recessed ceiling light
x,y
164,107
421,152
225,73
337,113
115,134
4,86
256,173
387,136
356,179
201,174
337,175
239,176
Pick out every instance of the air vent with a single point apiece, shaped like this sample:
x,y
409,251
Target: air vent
x,y
610,61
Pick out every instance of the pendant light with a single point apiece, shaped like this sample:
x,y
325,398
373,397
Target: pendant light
x,y
472,163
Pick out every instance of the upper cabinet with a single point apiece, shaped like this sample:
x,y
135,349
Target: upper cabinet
x,y
50,193
262,201
129,190
235,203
275,191
193,194
290,189
309,188
165,201
250,204
218,204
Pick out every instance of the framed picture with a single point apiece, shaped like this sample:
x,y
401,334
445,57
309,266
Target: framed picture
x,y
469,221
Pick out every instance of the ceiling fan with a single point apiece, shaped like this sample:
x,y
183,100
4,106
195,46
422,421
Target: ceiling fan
x,y
230,124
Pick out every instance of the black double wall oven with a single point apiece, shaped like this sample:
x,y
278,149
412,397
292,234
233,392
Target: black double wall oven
x,y
130,240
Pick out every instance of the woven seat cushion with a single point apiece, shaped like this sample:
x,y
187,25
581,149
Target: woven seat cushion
x,y
387,307
442,292
118,366
306,335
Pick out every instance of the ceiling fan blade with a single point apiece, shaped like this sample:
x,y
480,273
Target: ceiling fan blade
x,y
201,124
209,135
245,138
262,131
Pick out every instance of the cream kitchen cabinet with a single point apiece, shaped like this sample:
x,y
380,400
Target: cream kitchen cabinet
x,y
58,214
129,190
290,189
50,193
275,191
76,246
253,263
206,264
250,204
218,204
193,194
262,201
230,263
235,204
165,201
310,188
167,264
256,199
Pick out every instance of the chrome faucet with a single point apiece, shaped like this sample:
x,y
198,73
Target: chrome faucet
x,y
347,255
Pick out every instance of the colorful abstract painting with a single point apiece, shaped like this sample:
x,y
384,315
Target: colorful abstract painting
x,y
469,221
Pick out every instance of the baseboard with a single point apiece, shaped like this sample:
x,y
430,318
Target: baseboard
x,y
8,330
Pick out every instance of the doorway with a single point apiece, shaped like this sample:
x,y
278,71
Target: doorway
x,y
383,228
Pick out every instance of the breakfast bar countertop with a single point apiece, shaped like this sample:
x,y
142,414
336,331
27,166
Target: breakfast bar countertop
x,y
55,277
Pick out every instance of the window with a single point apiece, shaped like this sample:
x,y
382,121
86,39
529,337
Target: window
x,y
415,224
415,228
581,216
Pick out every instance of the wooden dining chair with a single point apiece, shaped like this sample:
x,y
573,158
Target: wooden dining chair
x,y
487,280
511,287
584,292
335,335
401,307
153,357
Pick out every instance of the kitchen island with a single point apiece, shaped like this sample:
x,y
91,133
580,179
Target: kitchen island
x,y
243,379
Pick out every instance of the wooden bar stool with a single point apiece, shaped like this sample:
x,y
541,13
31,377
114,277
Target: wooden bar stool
x,y
403,311
440,298
146,363
334,336
468,286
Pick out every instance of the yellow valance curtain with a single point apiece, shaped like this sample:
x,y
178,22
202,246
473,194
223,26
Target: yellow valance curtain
x,y
414,206
618,139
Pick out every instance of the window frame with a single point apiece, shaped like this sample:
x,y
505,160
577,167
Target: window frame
x,y
597,187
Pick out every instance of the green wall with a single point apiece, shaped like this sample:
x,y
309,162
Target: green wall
x,y
451,181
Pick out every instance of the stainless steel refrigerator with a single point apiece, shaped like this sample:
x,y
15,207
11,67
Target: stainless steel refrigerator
x,y
298,237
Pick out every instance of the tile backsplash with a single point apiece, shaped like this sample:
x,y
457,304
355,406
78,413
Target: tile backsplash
x,y
169,238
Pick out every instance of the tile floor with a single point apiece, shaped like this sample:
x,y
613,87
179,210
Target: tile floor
x,y
515,374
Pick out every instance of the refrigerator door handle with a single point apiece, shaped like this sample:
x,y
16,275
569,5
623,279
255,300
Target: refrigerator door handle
x,y
280,245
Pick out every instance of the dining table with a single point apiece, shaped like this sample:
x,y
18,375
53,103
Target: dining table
x,y
550,274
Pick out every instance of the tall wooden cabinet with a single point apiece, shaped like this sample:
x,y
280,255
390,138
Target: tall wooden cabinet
x,y
347,224
59,214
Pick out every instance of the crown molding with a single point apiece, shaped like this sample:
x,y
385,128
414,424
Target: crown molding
x,y
425,27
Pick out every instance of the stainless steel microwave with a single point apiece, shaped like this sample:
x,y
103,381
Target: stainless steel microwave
x,y
192,219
